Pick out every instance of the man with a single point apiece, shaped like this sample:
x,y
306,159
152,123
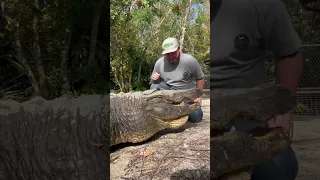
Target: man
x,y
241,33
177,70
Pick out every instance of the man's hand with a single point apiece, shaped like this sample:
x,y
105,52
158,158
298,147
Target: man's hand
x,y
283,121
198,100
155,76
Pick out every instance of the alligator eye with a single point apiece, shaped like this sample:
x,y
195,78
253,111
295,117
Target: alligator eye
x,y
156,109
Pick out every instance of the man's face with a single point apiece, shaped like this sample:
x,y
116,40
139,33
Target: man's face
x,y
173,57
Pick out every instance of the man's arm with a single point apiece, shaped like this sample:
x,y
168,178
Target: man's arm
x,y
197,73
288,71
200,84
153,75
282,39
199,76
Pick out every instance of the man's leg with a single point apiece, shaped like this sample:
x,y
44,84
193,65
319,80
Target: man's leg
x,y
284,166
196,116
161,85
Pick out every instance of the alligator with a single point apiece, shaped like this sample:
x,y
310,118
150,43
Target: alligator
x,y
234,153
149,112
68,138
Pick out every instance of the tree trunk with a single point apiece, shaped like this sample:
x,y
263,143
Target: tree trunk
x,y
139,72
129,87
121,82
207,6
22,58
94,33
20,52
184,24
44,85
64,62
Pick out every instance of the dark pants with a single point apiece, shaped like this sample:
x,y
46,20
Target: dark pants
x,y
194,117
284,166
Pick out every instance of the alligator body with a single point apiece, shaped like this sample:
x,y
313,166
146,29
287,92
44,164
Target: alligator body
x,y
68,138
235,152
61,139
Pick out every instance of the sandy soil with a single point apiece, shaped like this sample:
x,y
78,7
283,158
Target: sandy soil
x,y
172,154
306,144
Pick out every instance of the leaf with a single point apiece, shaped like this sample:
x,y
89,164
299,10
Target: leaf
x,y
148,152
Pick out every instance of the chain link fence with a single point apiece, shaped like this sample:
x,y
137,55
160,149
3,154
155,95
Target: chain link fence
x,y
308,94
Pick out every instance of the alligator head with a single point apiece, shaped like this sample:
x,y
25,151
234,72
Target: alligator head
x,y
135,117
171,107
233,151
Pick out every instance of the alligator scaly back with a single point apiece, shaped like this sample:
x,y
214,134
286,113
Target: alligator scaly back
x,y
59,139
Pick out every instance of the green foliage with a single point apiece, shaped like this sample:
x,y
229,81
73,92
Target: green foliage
x,y
62,25
306,23
201,18
301,108
138,29
94,82
143,17
10,92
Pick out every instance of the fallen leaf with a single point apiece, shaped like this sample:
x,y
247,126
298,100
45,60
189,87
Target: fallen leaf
x,y
148,152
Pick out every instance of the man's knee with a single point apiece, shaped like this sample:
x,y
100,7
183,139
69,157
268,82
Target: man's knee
x,y
196,116
154,86
160,85
282,167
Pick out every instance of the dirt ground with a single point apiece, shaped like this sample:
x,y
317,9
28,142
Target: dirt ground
x,y
185,153
306,144
172,154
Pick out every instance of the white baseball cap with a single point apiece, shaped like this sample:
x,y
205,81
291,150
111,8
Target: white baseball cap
x,y
170,45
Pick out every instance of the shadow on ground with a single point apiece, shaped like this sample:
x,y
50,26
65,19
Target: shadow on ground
x,y
201,173
301,141
153,138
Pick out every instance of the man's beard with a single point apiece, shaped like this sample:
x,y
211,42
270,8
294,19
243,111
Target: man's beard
x,y
172,61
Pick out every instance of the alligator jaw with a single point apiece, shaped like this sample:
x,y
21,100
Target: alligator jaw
x,y
177,123
168,112
175,96
235,150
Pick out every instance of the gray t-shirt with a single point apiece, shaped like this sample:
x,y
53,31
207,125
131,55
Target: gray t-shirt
x,y
241,33
181,74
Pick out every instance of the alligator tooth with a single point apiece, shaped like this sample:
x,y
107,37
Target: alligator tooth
x,y
225,155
